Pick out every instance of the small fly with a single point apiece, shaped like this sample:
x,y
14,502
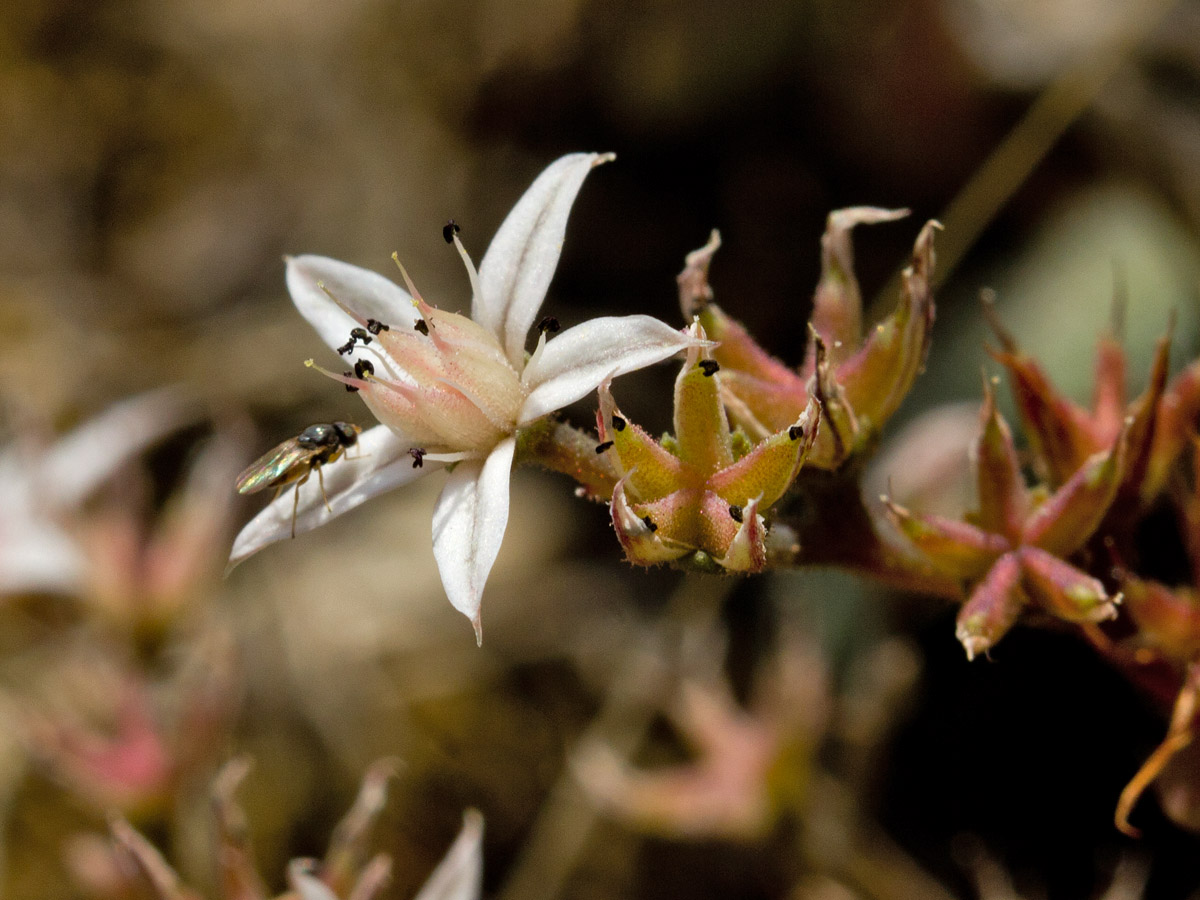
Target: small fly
x,y
293,461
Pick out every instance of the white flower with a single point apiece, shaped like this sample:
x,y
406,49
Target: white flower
x,y
453,390
42,488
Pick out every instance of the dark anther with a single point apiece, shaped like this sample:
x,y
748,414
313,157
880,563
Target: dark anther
x,y
795,432
449,230
363,368
351,389
346,347
375,326
418,456
709,367
735,513
422,327
360,334
600,448
618,423
548,323
650,524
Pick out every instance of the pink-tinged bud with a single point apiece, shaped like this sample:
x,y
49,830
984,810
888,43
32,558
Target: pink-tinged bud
x,y
769,469
761,393
1063,591
837,302
1064,435
649,469
701,428
841,434
1051,423
1065,521
859,382
1003,498
1167,620
1174,427
748,550
993,607
879,376
1143,415
690,494
638,534
956,548
695,293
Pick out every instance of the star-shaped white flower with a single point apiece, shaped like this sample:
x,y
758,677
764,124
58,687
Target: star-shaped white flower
x,y
453,390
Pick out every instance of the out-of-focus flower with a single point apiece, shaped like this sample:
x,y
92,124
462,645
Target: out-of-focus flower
x,y
117,739
702,492
860,381
145,578
133,867
455,391
42,488
750,764
1013,550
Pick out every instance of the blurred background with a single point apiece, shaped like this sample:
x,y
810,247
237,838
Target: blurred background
x,y
156,162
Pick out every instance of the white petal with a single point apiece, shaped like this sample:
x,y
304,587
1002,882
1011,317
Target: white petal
x,y
377,463
36,557
516,270
573,364
368,293
468,526
459,876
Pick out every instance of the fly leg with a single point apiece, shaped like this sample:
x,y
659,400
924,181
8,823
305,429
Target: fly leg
x,y
296,500
321,481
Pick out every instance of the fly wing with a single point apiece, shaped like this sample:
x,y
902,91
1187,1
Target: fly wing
x,y
284,464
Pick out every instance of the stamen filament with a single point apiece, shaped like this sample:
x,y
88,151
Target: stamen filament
x,y
419,302
348,380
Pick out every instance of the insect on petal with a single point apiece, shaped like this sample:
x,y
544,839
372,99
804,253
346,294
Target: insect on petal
x,y
380,463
